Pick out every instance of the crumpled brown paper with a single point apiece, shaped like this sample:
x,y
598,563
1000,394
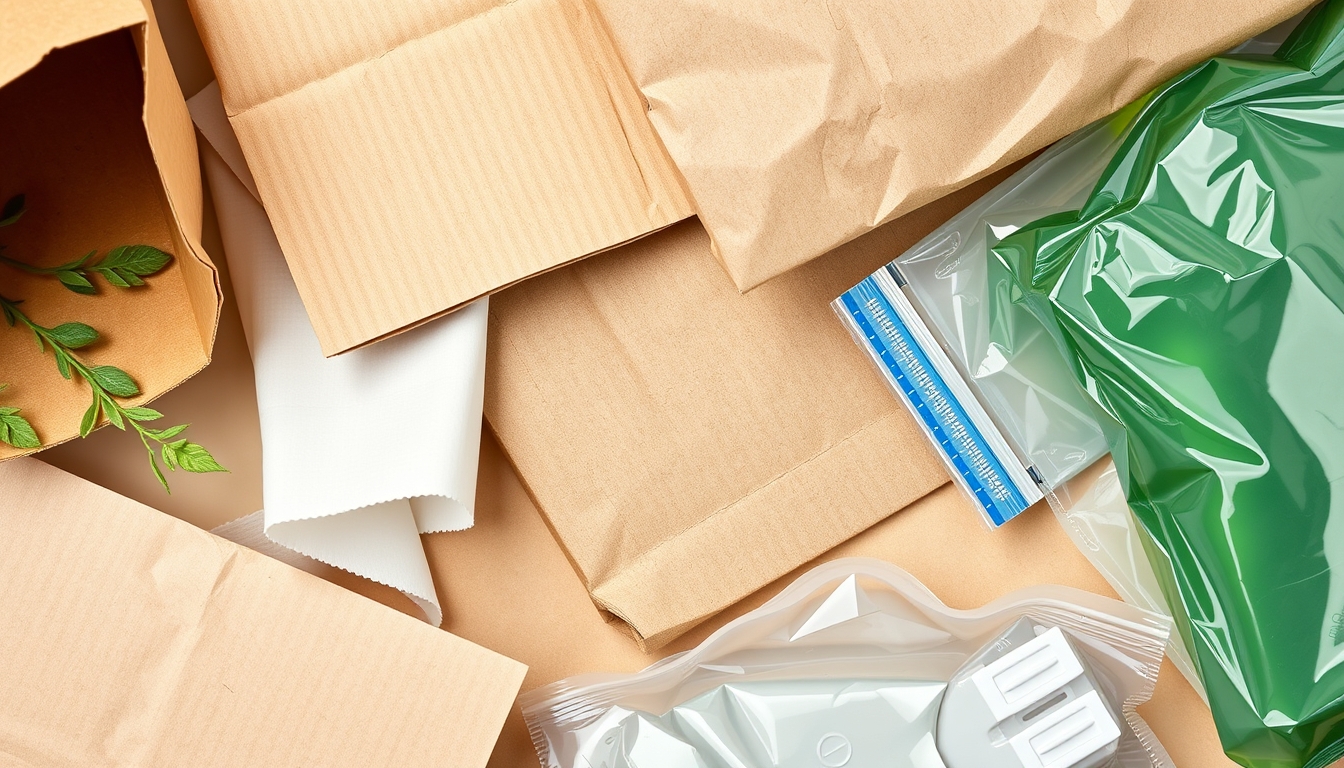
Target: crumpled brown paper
x,y
801,125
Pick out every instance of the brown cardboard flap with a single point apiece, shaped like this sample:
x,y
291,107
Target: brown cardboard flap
x,y
689,445
132,638
414,157
100,141
799,126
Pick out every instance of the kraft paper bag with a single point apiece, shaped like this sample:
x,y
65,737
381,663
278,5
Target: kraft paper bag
x,y
798,126
98,139
688,444
132,638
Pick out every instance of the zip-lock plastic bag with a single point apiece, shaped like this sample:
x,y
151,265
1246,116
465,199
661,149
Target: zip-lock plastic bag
x,y
857,664
984,376
1199,296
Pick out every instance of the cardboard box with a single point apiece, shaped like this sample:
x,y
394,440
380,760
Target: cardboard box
x,y
416,156
689,445
132,638
800,126
99,139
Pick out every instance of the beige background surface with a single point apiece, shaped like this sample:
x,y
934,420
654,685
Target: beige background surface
x,y
506,583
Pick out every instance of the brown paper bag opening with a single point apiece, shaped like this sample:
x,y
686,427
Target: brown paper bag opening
x,y
97,137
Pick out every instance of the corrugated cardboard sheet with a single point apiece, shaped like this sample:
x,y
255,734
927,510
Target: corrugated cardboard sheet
x,y
801,125
97,135
689,445
132,638
414,156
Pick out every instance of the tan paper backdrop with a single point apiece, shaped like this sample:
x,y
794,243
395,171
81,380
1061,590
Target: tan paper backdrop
x,y
508,585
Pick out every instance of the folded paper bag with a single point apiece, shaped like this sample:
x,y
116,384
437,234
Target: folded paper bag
x,y
98,138
409,168
132,638
799,126
688,444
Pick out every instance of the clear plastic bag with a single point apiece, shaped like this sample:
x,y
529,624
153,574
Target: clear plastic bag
x,y
1092,510
858,664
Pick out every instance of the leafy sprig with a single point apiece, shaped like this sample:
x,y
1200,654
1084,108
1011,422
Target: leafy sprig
x,y
125,266
14,429
108,383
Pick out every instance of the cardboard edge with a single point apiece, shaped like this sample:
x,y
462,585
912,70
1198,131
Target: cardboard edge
x,y
332,350
172,142
70,36
626,593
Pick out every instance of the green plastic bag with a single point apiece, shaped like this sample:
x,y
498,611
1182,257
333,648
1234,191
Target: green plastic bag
x,y
1199,295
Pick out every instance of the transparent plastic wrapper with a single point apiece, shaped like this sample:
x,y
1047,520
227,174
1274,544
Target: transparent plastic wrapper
x,y
983,375
1198,295
857,664
1092,510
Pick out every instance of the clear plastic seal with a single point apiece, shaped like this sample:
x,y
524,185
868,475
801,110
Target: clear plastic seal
x,y
992,391
857,664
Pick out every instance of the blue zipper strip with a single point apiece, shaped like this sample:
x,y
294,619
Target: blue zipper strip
x,y
928,396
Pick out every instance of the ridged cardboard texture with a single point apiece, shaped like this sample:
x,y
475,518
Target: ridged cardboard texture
x,y
415,156
133,638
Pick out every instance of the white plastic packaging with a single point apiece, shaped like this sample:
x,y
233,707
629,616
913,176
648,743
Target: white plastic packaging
x,y
857,664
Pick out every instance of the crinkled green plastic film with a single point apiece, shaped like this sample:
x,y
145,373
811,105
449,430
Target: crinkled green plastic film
x,y
1199,294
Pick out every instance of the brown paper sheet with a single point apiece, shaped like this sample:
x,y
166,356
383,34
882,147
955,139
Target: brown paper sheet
x,y
687,444
799,126
414,157
132,638
100,141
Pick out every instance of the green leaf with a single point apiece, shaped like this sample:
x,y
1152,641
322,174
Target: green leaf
x,y
158,473
142,260
16,431
113,413
115,381
169,451
73,335
9,315
90,419
195,458
115,279
142,414
76,282
77,263
166,434
63,364
12,210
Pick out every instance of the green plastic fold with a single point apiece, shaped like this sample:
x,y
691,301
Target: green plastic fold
x,y
1199,295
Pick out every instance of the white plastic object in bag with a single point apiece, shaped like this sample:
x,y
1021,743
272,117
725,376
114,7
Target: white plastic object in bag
x,y
857,664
